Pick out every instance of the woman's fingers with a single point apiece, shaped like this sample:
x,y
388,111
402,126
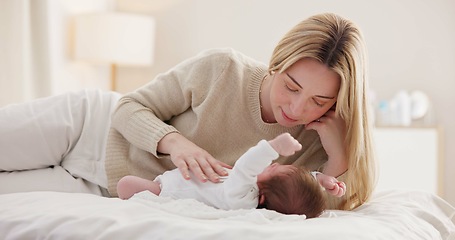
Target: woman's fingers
x,y
203,169
196,167
218,167
190,164
183,167
208,170
214,169
190,158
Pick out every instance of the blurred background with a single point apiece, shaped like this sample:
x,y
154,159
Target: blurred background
x,y
49,47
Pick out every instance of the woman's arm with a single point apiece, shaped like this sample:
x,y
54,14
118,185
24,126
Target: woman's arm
x,y
331,130
144,117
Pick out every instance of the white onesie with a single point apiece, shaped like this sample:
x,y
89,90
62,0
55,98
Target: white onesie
x,y
238,191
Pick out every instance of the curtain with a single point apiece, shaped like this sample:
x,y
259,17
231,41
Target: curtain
x,y
24,64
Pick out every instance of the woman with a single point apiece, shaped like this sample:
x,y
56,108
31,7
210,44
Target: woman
x,y
204,113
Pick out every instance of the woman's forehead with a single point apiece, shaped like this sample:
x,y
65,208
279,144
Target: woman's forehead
x,y
308,72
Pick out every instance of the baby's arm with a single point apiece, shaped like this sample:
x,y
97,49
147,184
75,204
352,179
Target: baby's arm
x,y
285,144
130,185
243,177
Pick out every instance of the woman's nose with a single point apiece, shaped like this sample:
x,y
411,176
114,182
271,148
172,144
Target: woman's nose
x,y
297,106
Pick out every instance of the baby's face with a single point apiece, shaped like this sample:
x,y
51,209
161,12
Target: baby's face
x,y
273,170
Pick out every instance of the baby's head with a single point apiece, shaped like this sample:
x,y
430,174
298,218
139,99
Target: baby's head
x,y
290,190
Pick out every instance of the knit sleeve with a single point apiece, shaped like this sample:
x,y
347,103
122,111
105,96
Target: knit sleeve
x,y
142,116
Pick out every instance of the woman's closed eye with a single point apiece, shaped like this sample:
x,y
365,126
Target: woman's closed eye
x,y
295,89
319,104
291,88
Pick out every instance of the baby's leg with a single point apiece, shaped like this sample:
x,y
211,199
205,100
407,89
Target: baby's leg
x,y
130,185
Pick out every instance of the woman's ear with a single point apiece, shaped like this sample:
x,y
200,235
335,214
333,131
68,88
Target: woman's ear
x,y
261,199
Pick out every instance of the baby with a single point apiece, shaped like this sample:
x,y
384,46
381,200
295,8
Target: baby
x,y
253,182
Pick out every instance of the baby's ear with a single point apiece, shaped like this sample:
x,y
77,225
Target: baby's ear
x,y
261,199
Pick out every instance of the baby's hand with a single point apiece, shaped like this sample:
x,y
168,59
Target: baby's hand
x,y
285,144
331,185
338,189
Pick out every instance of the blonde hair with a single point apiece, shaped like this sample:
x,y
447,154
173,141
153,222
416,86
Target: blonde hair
x,y
338,44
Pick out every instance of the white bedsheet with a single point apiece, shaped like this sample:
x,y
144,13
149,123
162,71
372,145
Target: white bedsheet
x,y
389,215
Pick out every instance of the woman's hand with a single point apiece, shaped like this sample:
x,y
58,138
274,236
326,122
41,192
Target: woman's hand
x,y
332,132
187,157
331,185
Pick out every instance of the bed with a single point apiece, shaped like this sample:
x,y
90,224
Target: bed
x,y
391,214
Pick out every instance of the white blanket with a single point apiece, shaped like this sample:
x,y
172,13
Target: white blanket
x,y
52,215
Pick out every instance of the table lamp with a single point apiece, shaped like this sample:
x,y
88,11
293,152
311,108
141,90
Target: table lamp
x,y
114,38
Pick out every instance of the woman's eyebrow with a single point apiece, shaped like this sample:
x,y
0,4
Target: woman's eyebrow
x,y
319,96
294,80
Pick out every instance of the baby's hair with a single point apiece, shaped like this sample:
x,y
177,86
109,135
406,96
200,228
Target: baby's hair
x,y
294,192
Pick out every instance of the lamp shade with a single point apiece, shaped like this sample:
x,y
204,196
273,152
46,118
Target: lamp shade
x,y
114,38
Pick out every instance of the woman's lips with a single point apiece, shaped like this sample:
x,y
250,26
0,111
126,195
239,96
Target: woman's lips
x,y
286,117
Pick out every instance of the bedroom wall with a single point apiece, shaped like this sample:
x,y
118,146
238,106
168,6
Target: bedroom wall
x,y
410,43
35,49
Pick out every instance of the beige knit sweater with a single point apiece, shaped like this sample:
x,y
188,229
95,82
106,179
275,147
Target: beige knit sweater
x,y
211,99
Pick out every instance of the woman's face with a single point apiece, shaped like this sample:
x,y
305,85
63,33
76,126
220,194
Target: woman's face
x,y
303,93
